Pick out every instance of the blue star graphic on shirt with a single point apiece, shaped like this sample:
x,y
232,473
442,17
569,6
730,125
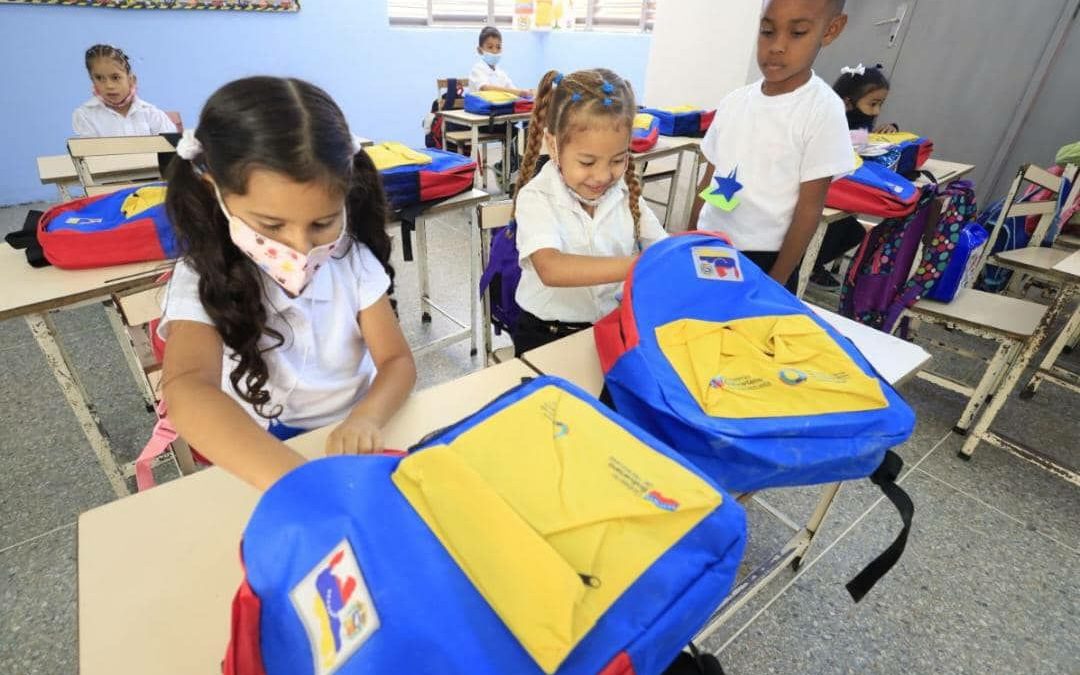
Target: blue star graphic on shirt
x,y
728,186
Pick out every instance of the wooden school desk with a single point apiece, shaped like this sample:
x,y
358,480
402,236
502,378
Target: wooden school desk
x,y
475,122
60,171
1066,275
158,570
574,358
942,170
34,294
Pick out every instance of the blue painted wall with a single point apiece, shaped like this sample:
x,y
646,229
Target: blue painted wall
x,y
382,77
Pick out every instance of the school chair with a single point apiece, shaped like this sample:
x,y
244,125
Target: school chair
x,y
1008,321
491,215
174,117
458,141
133,315
106,164
1033,263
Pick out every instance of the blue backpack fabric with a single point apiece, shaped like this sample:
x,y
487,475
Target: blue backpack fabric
x,y
502,275
688,303
348,572
959,271
446,175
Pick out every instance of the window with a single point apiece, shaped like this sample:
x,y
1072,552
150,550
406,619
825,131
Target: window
x,y
596,15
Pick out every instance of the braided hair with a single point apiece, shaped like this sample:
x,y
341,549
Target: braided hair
x,y
561,106
108,52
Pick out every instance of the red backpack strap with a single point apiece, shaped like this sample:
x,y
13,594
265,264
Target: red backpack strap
x,y
243,656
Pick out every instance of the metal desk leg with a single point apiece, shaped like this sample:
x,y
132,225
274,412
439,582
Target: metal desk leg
x,y
673,188
810,257
41,325
695,169
504,178
475,261
1047,366
422,267
478,180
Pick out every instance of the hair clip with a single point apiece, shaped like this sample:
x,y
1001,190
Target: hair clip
x,y
607,101
857,70
608,88
189,147
558,79
575,97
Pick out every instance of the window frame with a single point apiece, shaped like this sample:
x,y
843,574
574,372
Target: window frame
x,y
584,22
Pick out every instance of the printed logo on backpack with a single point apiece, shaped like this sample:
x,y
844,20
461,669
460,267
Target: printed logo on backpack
x,y
601,551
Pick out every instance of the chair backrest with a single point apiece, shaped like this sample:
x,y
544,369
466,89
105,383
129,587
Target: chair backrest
x,y
174,117
440,91
117,159
1029,179
495,214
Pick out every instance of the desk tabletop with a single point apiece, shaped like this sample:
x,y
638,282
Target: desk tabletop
x,y
474,120
1070,265
31,290
158,570
60,168
574,358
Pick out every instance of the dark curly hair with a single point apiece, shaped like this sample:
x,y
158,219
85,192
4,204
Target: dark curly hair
x,y
290,127
852,88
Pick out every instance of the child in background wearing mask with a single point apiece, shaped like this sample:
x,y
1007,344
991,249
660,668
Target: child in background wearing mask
x,y
115,109
486,75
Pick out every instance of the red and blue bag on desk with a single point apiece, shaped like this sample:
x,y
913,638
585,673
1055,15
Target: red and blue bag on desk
x,y
646,132
496,103
126,226
717,360
682,120
542,534
415,175
873,190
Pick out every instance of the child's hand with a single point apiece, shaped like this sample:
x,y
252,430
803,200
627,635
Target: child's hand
x,y
356,435
887,129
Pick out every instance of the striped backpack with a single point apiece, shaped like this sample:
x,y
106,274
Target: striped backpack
x,y
415,175
542,534
683,120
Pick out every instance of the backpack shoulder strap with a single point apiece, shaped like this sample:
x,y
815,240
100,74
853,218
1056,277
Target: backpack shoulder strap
x,y
26,240
885,478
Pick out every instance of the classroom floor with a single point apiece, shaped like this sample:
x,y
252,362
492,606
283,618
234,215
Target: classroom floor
x,y
990,582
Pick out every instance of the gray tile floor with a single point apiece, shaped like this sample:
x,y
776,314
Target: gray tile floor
x,y
990,582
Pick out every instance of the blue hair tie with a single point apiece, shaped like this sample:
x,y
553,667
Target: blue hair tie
x,y
558,79
608,88
607,102
576,97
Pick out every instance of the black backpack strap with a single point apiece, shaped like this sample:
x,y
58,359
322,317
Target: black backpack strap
x,y
26,240
885,478
450,98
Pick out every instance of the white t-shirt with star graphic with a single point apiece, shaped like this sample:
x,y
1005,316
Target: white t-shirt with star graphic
x,y
764,148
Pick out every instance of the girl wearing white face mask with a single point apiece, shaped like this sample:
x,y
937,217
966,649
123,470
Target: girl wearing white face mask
x,y
486,75
277,319
581,221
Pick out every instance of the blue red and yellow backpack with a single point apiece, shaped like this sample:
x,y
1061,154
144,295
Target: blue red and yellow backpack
x,y
873,190
646,132
717,360
415,175
126,226
493,103
683,120
543,534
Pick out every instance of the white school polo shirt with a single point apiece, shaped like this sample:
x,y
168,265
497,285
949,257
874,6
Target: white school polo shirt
x,y
548,216
482,74
764,148
324,368
94,119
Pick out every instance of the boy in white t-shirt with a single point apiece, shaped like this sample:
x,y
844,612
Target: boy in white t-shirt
x,y
777,144
486,75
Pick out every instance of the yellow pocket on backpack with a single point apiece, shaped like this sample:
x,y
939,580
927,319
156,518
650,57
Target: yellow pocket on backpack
x,y
552,511
392,154
497,96
769,366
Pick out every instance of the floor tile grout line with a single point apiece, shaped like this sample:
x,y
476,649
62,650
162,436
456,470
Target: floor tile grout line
x,y
997,510
38,536
810,564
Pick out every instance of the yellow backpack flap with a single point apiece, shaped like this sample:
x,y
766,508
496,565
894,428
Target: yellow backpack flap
x,y
496,97
552,510
143,199
391,154
769,366
643,120
681,109
893,138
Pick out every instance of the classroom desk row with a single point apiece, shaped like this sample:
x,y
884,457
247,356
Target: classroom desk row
x,y
157,570
35,294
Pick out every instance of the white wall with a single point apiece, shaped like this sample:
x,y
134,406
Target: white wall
x,y
701,50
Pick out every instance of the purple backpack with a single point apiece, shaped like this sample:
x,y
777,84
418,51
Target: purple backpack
x,y
502,275
881,267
